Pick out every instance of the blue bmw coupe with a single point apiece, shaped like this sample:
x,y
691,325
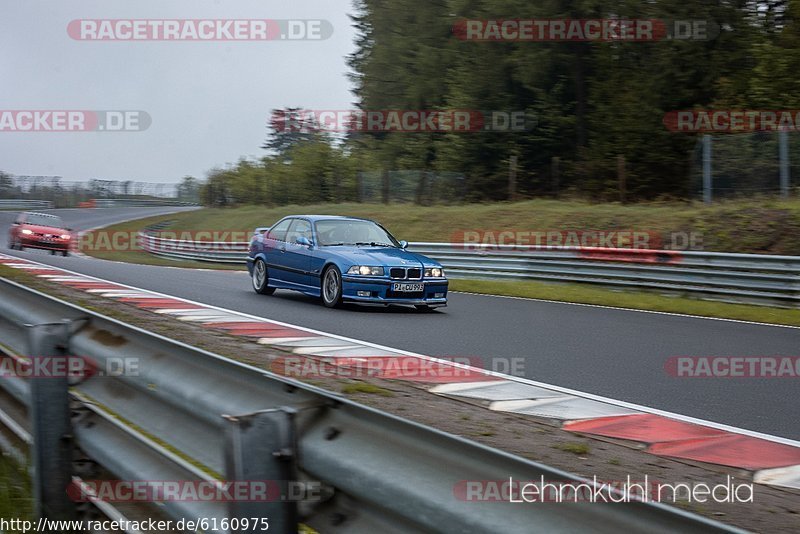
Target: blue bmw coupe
x,y
343,259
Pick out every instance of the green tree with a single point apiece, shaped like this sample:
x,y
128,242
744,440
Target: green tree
x,y
189,189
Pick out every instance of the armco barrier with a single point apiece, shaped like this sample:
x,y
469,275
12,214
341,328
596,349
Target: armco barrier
x,y
745,278
190,415
136,203
17,204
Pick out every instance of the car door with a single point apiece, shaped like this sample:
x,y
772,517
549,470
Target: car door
x,y
297,258
275,250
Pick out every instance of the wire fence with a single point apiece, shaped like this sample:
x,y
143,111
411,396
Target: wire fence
x,y
64,193
745,164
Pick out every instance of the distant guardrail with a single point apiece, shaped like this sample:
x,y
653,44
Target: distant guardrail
x,y
741,278
19,204
193,416
134,203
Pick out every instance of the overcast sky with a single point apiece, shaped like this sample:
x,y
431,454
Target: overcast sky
x,y
209,101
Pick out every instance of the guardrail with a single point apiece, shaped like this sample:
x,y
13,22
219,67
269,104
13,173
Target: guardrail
x,y
135,203
742,278
19,204
191,415
207,251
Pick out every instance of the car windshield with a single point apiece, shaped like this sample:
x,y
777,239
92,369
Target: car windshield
x,y
41,219
353,232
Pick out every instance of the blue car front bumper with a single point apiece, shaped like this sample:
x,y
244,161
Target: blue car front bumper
x,y
379,291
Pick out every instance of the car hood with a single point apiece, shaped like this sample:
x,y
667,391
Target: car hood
x,y
377,256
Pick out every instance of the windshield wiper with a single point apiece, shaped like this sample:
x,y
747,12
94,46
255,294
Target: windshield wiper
x,y
333,244
375,244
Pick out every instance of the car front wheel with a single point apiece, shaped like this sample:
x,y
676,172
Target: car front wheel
x,y
261,278
332,287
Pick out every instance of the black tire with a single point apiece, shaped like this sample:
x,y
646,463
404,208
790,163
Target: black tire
x,y
52,252
11,244
260,278
331,287
65,253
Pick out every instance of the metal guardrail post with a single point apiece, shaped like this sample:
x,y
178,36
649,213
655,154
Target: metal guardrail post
x,y
707,180
261,447
783,159
50,424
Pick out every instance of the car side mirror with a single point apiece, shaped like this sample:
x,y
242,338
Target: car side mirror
x,y
302,240
404,244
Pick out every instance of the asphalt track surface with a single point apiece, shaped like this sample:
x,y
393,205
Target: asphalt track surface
x,y
614,353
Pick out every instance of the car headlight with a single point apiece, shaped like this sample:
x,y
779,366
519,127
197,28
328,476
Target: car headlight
x,y
27,232
434,272
65,236
365,270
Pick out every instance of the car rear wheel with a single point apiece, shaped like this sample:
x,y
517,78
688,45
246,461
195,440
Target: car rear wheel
x,y
332,287
261,278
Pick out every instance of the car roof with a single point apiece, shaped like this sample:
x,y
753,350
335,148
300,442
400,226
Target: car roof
x,y
315,218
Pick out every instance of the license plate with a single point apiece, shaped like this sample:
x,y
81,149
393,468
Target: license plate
x,y
411,288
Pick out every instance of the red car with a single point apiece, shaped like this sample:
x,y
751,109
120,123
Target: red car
x,y
39,230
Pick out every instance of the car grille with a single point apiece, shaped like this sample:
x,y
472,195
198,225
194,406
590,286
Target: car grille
x,y
401,273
